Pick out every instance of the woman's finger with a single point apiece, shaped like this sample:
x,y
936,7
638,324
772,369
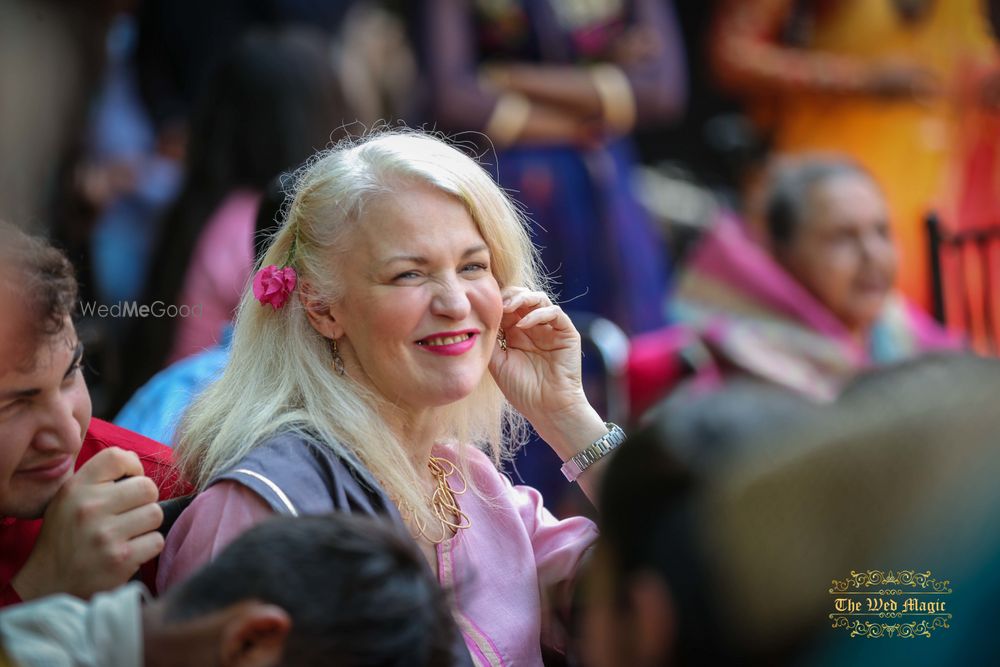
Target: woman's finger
x,y
507,292
525,299
554,316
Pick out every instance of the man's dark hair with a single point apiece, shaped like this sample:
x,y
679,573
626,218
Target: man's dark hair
x,y
785,198
41,275
358,592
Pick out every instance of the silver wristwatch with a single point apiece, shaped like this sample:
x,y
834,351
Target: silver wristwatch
x,y
603,446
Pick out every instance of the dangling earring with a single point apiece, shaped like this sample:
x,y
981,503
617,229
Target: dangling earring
x,y
338,361
502,338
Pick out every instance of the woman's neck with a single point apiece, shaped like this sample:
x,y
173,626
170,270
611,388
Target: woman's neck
x,y
418,432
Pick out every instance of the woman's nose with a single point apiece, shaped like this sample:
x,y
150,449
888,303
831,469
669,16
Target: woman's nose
x,y
451,300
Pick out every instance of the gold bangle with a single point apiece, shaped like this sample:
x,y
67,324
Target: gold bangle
x,y
508,119
617,100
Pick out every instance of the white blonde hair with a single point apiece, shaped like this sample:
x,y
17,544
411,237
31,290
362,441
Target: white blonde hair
x,y
280,378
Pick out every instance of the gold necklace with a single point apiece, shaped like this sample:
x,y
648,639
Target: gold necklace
x,y
443,503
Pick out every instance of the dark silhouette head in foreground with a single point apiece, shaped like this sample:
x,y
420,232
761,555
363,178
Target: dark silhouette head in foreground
x,y
337,590
722,551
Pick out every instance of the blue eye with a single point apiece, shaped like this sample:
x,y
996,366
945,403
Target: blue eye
x,y
476,266
406,274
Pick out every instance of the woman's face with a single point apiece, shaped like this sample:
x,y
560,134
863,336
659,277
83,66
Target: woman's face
x,y
421,308
843,251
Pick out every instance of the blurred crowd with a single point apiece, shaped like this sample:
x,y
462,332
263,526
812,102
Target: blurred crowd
x,y
775,223
126,134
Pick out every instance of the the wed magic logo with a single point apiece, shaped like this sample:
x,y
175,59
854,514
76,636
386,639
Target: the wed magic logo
x,y
898,603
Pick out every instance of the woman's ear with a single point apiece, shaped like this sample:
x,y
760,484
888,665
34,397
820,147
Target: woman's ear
x,y
319,312
255,635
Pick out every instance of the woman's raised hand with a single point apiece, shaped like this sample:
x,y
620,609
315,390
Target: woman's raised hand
x,y
540,371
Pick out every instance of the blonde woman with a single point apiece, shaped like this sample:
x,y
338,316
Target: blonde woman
x,y
384,362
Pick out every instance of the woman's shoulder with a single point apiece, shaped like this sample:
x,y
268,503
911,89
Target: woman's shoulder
x,y
297,475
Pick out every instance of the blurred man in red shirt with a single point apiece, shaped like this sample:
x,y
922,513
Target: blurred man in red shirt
x,y
78,496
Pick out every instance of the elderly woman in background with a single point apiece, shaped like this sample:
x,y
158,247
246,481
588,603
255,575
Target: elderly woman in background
x,y
888,82
813,302
401,339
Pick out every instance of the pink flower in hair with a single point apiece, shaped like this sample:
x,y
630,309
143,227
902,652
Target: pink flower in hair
x,y
272,286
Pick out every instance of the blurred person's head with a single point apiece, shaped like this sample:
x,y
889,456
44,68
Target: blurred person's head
x,y
647,600
725,558
267,104
876,482
303,592
44,404
827,223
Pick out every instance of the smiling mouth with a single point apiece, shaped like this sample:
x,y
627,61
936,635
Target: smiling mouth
x,y
445,340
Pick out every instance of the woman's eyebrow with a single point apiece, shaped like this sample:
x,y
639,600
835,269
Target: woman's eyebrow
x,y
420,260
415,259
476,249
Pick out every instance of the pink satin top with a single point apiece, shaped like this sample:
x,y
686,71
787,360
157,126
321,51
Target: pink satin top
x,y
505,574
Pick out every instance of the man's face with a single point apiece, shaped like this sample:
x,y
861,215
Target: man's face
x,y
44,410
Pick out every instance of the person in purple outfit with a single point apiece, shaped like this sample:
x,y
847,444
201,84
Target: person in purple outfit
x,y
557,86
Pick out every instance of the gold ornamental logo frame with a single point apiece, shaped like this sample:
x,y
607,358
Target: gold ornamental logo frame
x,y
877,604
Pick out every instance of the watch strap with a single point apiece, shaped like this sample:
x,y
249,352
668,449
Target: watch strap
x,y
600,448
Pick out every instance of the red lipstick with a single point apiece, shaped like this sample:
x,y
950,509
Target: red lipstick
x,y
449,343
